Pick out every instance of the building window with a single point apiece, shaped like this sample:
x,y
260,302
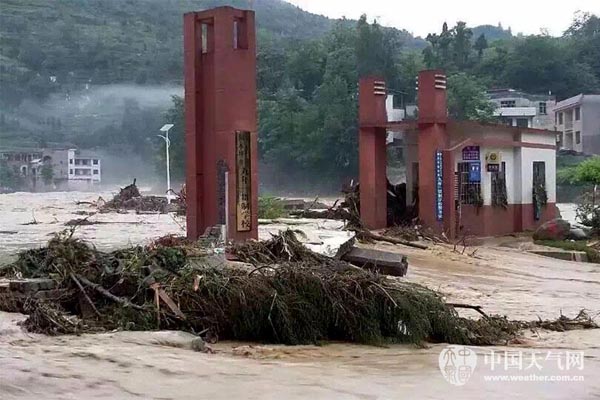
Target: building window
x,y
95,162
499,194
560,118
469,192
95,172
508,103
577,137
542,108
522,122
70,161
577,114
70,172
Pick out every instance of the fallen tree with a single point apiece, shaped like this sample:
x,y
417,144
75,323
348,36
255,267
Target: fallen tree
x,y
289,295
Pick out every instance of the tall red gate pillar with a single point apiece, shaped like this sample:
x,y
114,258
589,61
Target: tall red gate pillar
x,y
435,197
372,152
220,122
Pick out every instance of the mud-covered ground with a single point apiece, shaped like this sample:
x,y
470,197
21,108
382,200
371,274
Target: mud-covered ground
x,y
500,276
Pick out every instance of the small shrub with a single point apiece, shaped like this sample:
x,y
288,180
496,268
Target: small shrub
x,y
270,207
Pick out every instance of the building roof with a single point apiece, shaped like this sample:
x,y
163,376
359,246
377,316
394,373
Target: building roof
x,y
512,93
576,100
515,112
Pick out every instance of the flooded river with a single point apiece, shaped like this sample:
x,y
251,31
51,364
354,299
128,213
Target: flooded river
x,y
500,276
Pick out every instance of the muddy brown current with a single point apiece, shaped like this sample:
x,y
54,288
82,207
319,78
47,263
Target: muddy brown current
x,y
500,276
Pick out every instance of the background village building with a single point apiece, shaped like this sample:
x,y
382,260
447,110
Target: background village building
x,y
70,168
465,177
578,122
524,110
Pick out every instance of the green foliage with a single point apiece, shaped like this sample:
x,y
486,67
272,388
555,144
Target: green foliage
x,y
593,255
539,63
566,176
307,72
467,99
9,177
270,207
480,45
588,172
47,173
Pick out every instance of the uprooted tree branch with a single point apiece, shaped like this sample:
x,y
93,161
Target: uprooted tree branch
x,y
283,293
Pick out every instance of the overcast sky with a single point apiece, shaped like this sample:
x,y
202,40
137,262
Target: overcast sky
x,y
422,17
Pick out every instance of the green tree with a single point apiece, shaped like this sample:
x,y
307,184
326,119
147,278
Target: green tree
x,y
47,173
480,45
587,172
9,177
467,99
461,44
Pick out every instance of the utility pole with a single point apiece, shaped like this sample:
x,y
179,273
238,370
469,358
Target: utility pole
x,y
166,128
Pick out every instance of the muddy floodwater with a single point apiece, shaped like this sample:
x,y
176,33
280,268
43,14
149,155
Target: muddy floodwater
x,y
501,276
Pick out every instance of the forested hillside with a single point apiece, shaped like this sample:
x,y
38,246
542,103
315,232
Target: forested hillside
x,y
101,73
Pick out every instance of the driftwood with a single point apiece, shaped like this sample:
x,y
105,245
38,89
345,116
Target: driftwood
x,y
107,294
388,239
80,286
469,306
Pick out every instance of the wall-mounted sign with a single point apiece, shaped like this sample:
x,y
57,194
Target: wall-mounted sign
x,y
493,157
475,171
493,167
243,181
439,180
470,153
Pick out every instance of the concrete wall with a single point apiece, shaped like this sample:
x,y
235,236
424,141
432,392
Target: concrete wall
x,y
590,124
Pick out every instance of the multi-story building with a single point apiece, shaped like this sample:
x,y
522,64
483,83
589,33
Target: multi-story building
x,y
70,168
524,110
84,166
578,123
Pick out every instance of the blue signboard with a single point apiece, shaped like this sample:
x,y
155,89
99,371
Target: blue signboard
x,y
475,171
439,198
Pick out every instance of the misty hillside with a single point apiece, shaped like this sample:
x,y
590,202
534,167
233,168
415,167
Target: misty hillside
x,y
44,45
55,57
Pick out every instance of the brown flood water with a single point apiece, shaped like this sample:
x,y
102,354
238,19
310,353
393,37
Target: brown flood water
x,y
160,365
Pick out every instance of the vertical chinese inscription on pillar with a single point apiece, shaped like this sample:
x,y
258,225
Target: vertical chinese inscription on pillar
x,y
243,184
439,180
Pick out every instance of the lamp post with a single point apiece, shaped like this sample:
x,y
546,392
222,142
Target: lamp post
x,y
166,128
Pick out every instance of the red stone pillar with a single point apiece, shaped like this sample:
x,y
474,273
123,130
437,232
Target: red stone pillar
x,y
372,152
433,137
220,119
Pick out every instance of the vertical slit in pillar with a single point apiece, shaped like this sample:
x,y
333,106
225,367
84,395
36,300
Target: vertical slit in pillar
x,y
240,33
235,33
204,42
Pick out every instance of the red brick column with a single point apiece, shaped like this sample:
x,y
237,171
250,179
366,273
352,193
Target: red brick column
x,y
372,152
220,100
433,137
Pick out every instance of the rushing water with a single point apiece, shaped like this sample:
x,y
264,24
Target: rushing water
x,y
500,276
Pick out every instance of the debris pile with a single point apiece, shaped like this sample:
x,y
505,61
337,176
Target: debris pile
x,y
130,198
286,294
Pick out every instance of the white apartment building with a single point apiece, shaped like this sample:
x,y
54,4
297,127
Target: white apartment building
x,y
84,166
524,110
578,123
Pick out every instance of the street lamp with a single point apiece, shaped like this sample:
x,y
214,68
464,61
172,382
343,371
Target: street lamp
x,y
166,128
